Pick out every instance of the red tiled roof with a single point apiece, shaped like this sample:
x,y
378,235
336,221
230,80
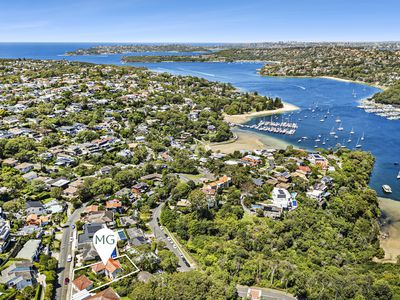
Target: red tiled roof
x,y
111,266
107,294
82,282
115,203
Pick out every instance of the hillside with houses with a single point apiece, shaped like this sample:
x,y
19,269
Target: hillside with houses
x,y
84,147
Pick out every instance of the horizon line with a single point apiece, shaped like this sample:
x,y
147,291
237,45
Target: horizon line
x,y
208,42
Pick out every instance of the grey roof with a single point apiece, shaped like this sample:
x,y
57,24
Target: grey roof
x,y
29,250
89,230
30,204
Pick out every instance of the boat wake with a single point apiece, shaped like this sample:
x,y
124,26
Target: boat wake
x,y
300,87
198,72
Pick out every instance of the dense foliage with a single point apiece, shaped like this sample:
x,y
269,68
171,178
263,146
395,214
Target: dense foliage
x,y
389,96
314,252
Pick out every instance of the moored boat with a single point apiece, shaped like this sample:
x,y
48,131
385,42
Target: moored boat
x,y
386,188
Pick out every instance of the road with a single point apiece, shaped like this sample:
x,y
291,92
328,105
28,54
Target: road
x,y
246,210
66,248
161,235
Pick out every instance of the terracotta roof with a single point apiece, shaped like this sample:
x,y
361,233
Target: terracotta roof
x,y
91,208
82,282
111,266
107,294
115,203
98,267
304,168
223,179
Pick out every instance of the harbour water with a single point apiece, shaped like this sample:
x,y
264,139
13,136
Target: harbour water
x,y
321,101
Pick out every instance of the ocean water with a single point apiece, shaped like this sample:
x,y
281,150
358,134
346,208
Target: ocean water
x,y
314,96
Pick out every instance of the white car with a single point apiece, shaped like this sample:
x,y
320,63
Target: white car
x,y
69,258
71,239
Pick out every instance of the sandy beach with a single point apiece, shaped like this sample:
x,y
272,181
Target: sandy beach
x,y
246,140
390,229
355,81
240,119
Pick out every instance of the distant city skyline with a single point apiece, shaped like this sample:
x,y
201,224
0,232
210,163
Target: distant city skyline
x,y
225,21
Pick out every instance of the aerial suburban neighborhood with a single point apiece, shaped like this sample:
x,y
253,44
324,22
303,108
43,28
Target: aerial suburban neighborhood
x,y
85,147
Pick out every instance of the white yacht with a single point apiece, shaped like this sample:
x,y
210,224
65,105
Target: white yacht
x,y
386,188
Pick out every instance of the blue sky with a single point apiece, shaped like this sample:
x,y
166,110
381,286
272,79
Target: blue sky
x,y
198,21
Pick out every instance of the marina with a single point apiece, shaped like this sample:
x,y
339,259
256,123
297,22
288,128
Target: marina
x,y
387,111
271,126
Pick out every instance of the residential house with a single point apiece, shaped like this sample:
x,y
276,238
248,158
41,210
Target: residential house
x,y
251,160
12,162
211,188
318,160
316,195
19,275
107,294
30,176
136,237
140,188
112,269
24,167
102,217
4,234
70,192
281,197
306,170
88,252
54,207
34,207
89,229
30,251
82,283
37,220
91,208
114,205
59,182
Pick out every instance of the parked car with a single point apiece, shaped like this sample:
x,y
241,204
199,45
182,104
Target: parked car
x,y
66,280
69,258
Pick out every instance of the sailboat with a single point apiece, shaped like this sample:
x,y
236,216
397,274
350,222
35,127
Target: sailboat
x,y
352,130
332,131
340,128
338,120
323,143
349,140
362,137
358,145
322,120
398,175
354,94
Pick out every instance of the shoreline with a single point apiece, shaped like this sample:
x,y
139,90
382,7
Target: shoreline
x,y
389,229
381,87
243,118
248,141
